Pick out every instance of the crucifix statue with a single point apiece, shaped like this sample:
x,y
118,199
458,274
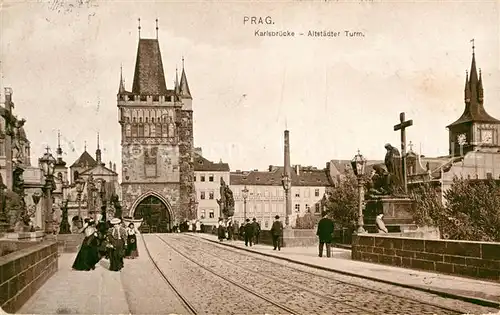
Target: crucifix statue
x,y
402,126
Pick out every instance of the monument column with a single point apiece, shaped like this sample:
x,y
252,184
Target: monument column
x,y
8,139
287,179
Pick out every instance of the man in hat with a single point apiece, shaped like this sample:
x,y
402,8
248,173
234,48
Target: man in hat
x,y
256,230
277,232
325,234
249,229
117,240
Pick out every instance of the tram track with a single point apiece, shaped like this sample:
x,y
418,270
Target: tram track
x,y
226,279
189,308
218,256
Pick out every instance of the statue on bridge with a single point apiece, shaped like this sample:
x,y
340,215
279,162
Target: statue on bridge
x,y
226,201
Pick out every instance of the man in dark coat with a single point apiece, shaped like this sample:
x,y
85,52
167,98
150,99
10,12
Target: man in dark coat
x,y
325,234
249,229
277,232
256,230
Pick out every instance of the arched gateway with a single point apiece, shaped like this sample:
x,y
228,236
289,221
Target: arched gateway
x,y
155,213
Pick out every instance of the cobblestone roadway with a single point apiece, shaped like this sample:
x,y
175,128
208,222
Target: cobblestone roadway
x,y
343,288
208,293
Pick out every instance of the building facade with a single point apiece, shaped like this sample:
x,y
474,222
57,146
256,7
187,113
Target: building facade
x,y
207,176
157,143
266,196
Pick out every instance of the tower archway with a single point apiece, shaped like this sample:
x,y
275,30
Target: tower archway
x,y
155,211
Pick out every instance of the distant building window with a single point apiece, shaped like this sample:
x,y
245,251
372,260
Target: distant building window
x,y
202,215
202,178
266,224
202,195
316,206
297,193
297,207
211,214
211,195
308,208
211,177
489,176
316,192
194,178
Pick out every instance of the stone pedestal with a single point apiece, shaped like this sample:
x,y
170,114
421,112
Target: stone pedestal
x,y
299,237
397,214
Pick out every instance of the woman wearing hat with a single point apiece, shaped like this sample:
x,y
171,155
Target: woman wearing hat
x,y
132,242
87,256
117,242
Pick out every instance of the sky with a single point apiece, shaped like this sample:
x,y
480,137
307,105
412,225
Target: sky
x,y
335,95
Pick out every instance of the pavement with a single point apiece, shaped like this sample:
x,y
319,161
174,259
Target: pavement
x,y
466,289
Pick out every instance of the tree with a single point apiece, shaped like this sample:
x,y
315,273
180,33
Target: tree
x,y
308,221
472,210
342,202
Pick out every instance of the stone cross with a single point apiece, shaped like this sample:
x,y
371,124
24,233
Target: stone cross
x,y
402,126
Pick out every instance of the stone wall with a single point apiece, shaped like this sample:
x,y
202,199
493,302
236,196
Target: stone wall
x,y
187,194
473,259
23,272
69,243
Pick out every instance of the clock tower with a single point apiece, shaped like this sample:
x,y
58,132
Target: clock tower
x,y
475,129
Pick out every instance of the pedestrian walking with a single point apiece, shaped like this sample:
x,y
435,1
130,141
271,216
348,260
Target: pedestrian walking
x,y
325,235
236,230
198,226
132,251
249,230
256,230
88,255
230,229
221,230
117,242
277,232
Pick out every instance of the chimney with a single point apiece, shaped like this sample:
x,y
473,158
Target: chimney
x,y
270,168
110,165
297,170
114,167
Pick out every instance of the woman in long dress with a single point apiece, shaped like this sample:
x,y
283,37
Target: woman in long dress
x,y
132,251
117,242
221,230
87,256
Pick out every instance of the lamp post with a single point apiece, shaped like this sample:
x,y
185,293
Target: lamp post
x,y
244,193
102,194
47,163
358,164
79,189
286,181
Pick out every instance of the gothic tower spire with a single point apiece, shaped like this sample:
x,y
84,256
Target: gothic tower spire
x,y
184,86
98,156
121,88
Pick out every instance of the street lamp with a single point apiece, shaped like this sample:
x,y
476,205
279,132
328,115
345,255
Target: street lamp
x,y
102,194
286,181
244,193
358,164
80,183
47,164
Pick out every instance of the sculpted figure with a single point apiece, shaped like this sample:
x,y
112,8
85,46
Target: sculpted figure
x,y
394,167
381,182
17,147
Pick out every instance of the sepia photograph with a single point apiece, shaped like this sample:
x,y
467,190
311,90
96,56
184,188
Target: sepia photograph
x,y
249,157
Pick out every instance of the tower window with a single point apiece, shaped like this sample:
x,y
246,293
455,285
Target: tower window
x,y
153,120
140,120
147,119
156,98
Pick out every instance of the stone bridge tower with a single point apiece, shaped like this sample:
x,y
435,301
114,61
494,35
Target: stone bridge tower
x,y
157,143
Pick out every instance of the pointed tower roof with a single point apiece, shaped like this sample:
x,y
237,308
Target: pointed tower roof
x,y
474,108
121,88
149,78
59,151
98,155
177,88
184,86
85,160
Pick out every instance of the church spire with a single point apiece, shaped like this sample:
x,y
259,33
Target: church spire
x,y
184,86
480,91
467,87
98,156
121,89
177,91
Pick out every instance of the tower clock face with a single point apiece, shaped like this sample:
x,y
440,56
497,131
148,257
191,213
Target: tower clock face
x,y
462,139
487,136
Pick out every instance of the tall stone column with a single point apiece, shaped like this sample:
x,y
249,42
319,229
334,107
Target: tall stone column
x,y
287,173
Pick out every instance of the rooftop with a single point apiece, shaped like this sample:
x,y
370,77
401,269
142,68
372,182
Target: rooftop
x,y
301,176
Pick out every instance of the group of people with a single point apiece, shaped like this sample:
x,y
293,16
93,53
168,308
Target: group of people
x,y
111,240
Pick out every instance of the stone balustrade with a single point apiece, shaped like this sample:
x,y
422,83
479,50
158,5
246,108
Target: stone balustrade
x,y
480,260
24,271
